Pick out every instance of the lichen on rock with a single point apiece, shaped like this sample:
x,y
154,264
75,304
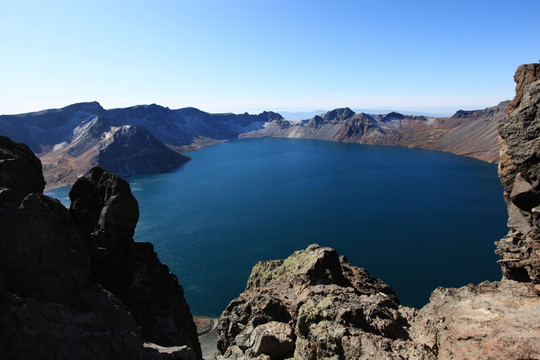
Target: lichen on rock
x,y
314,304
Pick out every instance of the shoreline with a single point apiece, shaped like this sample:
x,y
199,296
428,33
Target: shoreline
x,y
208,334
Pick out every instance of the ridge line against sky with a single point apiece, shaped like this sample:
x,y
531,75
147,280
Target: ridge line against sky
x,y
236,56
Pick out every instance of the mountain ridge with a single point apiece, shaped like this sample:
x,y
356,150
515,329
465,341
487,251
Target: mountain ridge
x,y
151,138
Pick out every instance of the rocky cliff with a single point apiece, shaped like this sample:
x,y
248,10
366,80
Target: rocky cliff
x,y
467,133
74,285
519,170
314,305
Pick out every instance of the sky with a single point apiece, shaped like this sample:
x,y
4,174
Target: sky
x,y
432,56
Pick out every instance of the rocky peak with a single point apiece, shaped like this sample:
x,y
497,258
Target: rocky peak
x,y
393,116
525,74
314,304
519,171
338,114
91,107
105,213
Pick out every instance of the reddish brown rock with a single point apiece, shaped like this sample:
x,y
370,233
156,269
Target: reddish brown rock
x,y
498,320
525,74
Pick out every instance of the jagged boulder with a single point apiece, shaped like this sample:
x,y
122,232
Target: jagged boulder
x,y
525,74
315,305
106,213
519,171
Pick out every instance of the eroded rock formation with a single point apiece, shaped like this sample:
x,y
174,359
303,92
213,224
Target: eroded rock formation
x,y
54,276
106,213
519,171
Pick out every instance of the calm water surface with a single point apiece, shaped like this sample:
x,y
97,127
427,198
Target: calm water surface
x,y
417,219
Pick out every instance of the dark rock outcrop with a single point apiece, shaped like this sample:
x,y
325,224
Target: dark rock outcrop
x,y
48,310
315,305
106,213
20,170
53,275
519,171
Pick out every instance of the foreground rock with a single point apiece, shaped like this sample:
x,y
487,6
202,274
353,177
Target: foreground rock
x,y
499,320
315,305
53,276
106,213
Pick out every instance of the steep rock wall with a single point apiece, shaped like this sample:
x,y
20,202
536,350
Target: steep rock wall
x,y
519,171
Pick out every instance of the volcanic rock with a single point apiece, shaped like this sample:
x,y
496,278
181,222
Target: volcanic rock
x,y
61,284
499,320
525,74
106,213
20,170
48,308
315,305
519,171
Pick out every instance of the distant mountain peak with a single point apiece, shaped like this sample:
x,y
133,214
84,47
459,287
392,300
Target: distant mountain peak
x,y
339,114
92,107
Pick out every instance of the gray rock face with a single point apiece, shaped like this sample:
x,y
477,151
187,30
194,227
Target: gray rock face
x,y
106,213
519,171
315,305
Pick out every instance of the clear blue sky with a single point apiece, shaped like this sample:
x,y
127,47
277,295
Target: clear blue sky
x,y
220,56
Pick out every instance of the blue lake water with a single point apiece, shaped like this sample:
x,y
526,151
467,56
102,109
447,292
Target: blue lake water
x,y
416,219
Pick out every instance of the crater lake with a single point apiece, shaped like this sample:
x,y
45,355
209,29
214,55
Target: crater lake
x,y
413,218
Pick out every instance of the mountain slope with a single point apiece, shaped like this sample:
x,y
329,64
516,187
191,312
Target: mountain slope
x,y
129,141
126,150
